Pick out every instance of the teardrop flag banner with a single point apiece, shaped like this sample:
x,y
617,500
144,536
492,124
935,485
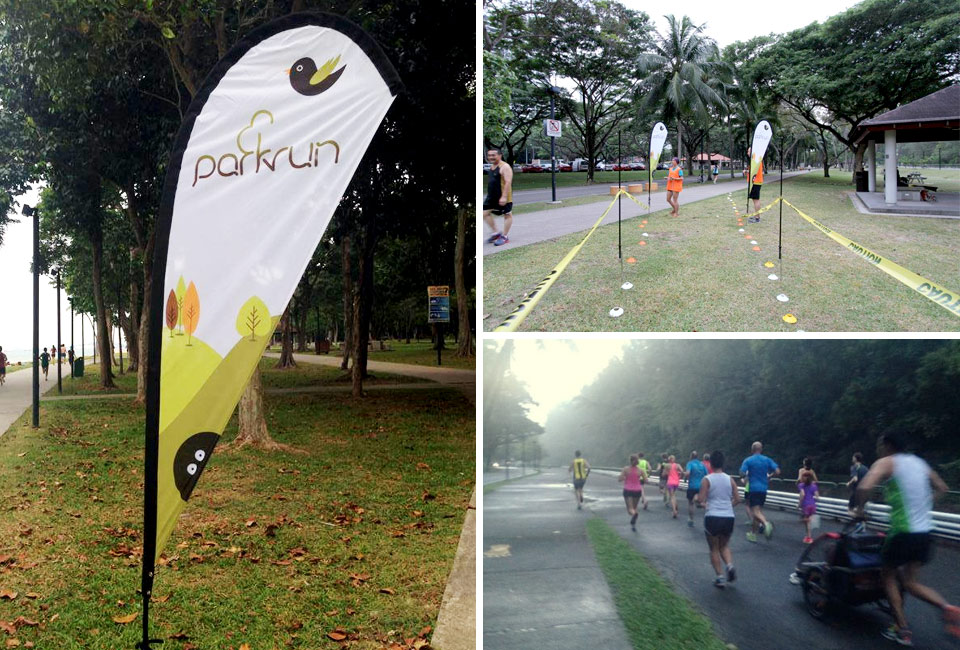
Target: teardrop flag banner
x,y
657,137
761,138
265,152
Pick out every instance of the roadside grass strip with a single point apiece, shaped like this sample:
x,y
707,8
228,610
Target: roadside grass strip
x,y
517,316
654,615
495,485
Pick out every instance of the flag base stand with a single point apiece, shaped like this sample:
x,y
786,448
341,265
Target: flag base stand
x,y
616,312
783,297
626,286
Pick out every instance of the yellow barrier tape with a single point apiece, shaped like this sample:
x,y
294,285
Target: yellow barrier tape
x,y
634,199
949,300
517,316
763,209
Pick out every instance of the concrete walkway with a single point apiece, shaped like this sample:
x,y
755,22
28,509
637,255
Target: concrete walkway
x,y
542,586
536,227
457,621
16,394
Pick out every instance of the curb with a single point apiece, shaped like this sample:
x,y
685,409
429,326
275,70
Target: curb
x,y
457,620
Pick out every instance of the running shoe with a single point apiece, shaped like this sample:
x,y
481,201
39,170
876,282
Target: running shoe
x,y
795,579
903,636
808,540
633,519
751,538
492,238
951,619
768,530
579,507
753,220
500,241
731,573
633,527
761,528
719,582
689,523
644,505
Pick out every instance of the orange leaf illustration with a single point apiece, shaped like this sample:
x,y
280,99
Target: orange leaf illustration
x,y
191,311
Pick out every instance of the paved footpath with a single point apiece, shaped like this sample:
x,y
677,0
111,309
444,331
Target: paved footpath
x,y
542,587
535,227
16,395
761,610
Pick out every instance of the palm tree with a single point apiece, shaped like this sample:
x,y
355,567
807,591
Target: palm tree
x,y
684,74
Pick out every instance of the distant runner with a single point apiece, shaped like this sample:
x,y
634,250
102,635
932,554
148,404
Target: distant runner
x,y
694,473
45,364
673,482
808,501
758,469
662,483
907,480
499,200
674,186
718,492
857,471
581,470
645,468
3,367
632,478
755,189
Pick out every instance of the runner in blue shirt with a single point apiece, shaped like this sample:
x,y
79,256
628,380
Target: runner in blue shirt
x,y
694,474
758,469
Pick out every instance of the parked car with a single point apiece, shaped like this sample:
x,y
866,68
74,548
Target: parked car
x,y
638,165
603,166
564,167
621,167
532,169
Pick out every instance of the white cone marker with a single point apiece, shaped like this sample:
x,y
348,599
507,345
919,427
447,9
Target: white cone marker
x,y
645,235
753,241
772,276
741,230
783,297
626,286
616,312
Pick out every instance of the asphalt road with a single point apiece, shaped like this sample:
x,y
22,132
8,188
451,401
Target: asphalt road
x,y
539,522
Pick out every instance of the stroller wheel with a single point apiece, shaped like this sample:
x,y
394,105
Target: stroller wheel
x,y
815,594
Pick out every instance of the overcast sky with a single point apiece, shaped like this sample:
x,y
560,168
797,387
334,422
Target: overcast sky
x,y
727,22
555,370
16,296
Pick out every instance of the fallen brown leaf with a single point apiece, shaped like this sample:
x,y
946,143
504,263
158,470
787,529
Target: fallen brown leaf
x,y
6,594
123,620
337,635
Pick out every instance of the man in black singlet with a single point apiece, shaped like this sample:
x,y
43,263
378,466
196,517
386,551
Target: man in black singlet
x,y
499,200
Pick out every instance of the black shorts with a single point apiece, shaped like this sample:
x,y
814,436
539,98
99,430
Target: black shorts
x,y
578,483
904,548
755,499
718,526
852,504
633,494
498,209
755,191
692,493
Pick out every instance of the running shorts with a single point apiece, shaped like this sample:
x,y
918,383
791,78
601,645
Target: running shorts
x,y
809,511
755,191
755,499
633,494
692,493
578,483
498,209
904,548
718,526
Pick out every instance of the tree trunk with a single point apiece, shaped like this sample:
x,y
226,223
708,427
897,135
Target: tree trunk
x,y
826,156
465,338
302,330
286,351
103,328
144,336
363,305
348,329
679,139
133,331
252,429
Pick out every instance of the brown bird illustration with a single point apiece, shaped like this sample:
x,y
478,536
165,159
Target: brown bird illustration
x,y
306,79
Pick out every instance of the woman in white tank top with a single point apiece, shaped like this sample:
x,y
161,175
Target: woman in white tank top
x,y
719,494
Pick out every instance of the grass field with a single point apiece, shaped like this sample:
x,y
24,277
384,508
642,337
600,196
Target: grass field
x,y
698,273
348,543
653,614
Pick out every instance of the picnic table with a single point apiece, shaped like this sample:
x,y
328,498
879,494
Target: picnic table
x,y
915,177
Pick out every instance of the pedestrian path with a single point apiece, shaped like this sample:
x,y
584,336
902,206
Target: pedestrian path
x,y
542,586
534,227
16,395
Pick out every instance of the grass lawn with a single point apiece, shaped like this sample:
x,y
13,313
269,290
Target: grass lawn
x,y
698,273
945,180
653,614
15,368
352,540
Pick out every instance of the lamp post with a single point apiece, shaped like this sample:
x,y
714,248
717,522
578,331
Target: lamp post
x,y
59,340
554,91
30,211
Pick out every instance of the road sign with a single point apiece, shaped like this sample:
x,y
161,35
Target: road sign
x,y
439,306
552,128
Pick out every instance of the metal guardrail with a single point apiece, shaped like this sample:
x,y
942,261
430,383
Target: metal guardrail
x,y
945,525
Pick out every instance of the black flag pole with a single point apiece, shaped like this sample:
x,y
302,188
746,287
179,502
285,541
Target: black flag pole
x,y
747,160
780,234
619,167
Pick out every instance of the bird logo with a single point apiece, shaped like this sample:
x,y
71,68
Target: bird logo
x,y
190,459
306,79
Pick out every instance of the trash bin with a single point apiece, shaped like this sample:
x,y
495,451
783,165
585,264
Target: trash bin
x,y
863,183
78,367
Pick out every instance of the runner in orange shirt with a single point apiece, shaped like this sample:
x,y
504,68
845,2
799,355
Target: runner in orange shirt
x,y
755,189
674,186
